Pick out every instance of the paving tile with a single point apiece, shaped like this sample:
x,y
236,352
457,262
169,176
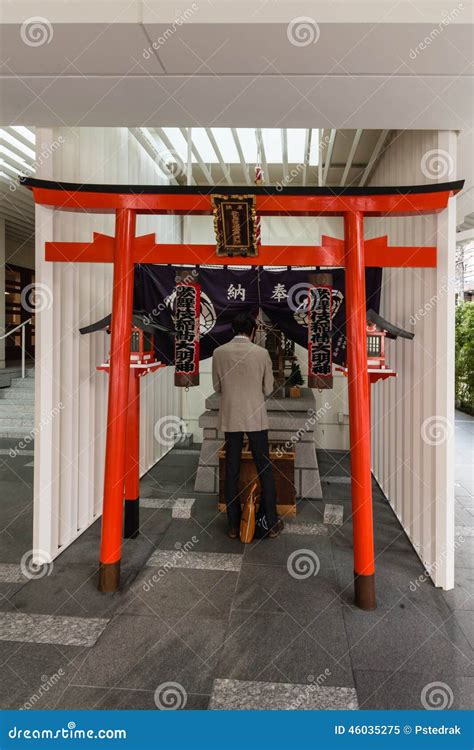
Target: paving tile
x,y
305,529
10,573
399,578
462,595
163,503
33,675
309,511
113,699
464,553
275,648
177,558
182,507
178,593
333,514
463,517
465,621
330,479
405,640
66,631
379,690
277,551
208,536
70,590
465,531
85,550
268,588
146,653
279,696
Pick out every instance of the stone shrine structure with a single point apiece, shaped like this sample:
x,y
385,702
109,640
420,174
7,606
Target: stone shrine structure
x,y
292,422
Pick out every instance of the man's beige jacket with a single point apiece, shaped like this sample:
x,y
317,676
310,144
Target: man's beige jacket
x,y
242,373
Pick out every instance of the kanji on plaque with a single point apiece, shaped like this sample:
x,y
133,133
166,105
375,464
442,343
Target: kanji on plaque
x,y
319,331
188,307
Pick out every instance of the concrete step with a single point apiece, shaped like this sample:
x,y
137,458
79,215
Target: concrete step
x,y
18,397
11,432
8,373
19,409
25,423
28,383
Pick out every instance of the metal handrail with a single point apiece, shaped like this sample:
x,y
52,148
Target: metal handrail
x,y
22,326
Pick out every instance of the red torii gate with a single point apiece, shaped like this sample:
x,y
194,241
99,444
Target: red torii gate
x,y
352,253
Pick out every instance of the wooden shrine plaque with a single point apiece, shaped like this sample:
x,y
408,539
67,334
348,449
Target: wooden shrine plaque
x,y
284,467
234,225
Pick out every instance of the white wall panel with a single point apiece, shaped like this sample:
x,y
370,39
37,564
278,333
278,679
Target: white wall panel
x,y
412,415
70,394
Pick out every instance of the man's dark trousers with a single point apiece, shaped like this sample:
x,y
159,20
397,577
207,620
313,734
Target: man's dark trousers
x,y
260,451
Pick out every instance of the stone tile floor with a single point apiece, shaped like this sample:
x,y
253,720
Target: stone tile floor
x,y
203,622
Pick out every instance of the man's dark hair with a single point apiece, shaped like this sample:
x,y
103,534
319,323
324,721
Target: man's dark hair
x,y
244,323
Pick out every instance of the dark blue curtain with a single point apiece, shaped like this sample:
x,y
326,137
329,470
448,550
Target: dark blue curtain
x,y
281,294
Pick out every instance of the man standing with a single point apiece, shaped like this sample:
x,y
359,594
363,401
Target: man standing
x,y
242,373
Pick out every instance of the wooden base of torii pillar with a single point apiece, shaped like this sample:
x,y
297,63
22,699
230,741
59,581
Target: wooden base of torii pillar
x,y
352,253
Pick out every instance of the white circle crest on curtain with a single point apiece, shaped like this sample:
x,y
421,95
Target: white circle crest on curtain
x,y
36,31
437,696
170,696
303,31
36,297
437,164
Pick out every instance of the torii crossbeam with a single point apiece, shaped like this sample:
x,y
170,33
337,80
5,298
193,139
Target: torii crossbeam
x,y
352,253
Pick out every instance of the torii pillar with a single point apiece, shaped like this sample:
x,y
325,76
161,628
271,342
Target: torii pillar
x,y
359,409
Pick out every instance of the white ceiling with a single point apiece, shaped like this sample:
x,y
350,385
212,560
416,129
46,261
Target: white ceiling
x,y
159,65
154,65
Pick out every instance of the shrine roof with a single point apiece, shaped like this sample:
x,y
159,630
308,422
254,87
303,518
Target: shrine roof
x,y
139,320
391,329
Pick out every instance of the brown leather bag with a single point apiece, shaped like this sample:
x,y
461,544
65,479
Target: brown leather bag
x,y
247,521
